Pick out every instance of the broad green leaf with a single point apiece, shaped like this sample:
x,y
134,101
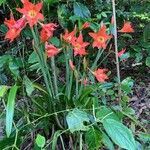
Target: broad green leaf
x,y
29,86
81,10
148,61
120,134
75,120
3,89
10,109
106,113
107,142
127,85
93,138
40,141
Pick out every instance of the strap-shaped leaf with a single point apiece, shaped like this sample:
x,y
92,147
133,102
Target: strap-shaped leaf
x,y
10,109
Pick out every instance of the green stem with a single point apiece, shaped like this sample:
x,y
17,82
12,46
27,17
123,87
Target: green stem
x,y
67,72
100,52
77,78
46,74
70,85
54,75
42,64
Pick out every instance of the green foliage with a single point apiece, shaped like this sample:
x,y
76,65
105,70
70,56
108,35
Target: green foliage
x,y
40,141
55,101
81,10
120,134
75,120
10,109
3,90
93,138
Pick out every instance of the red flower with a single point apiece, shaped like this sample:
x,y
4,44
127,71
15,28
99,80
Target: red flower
x,y
51,50
100,38
127,28
85,25
100,75
121,52
47,31
15,27
70,37
31,12
71,65
79,46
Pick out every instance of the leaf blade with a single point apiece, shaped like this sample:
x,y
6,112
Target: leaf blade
x,y
10,109
119,134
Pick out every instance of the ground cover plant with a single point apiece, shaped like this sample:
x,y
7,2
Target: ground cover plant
x,y
65,79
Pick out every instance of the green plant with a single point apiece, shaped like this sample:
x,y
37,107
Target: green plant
x,y
63,96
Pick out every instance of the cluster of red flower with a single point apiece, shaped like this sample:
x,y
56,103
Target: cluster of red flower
x,y
32,16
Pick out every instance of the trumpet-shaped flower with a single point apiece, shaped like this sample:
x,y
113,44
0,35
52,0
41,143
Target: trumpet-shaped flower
x,y
101,75
51,50
127,28
79,46
47,31
31,12
70,37
14,27
100,38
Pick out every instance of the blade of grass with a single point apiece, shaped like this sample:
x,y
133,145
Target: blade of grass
x,y
10,109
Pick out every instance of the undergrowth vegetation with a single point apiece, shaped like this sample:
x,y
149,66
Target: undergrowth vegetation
x,y
66,80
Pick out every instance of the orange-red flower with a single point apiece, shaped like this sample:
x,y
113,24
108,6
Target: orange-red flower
x,y
71,65
47,31
100,38
51,50
79,46
121,52
101,75
14,27
127,28
69,37
31,12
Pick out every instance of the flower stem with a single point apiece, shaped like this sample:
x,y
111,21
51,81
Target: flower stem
x,y
54,75
100,52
